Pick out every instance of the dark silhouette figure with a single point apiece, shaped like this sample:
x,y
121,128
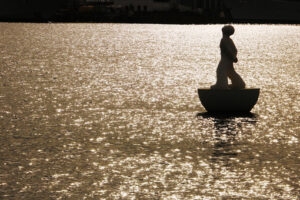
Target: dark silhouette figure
x,y
228,57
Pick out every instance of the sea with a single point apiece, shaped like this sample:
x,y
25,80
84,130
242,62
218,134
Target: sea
x,y
111,111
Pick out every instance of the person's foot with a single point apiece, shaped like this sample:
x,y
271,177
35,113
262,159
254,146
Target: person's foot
x,y
217,87
235,87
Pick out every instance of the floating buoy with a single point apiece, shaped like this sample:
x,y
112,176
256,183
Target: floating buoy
x,y
231,100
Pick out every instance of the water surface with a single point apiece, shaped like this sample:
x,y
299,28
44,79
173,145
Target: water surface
x,y
110,111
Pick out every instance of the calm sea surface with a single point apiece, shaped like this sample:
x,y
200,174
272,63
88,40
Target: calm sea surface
x,y
110,111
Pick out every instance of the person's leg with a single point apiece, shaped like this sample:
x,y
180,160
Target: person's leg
x,y
236,79
222,81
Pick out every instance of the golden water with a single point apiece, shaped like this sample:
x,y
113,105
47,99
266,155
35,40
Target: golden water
x,y
110,111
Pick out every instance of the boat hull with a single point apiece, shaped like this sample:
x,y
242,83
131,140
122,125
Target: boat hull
x,y
228,100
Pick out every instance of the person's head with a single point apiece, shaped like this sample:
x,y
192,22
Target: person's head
x,y
228,30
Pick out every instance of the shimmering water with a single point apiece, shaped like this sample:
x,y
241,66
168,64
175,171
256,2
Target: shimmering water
x,y
110,111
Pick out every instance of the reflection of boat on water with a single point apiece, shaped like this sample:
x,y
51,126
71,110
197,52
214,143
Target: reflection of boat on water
x,y
228,100
264,11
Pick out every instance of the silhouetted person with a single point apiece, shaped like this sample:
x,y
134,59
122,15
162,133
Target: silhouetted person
x,y
228,57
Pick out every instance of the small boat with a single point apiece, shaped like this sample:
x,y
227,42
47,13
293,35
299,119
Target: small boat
x,y
228,100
